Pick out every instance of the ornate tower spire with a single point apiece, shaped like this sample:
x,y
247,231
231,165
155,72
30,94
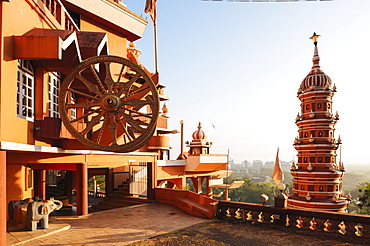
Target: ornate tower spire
x,y
317,180
316,57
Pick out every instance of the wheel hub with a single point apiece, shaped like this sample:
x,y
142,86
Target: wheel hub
x,y
111,103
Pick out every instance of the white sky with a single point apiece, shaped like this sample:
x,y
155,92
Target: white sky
x,y
239,65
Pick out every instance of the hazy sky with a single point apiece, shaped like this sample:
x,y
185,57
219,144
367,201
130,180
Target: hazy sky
x,y
239,65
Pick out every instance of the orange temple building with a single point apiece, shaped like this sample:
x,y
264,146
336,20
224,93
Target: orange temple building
x,y
76,102
317,178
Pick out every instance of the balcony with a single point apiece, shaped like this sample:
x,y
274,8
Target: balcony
x,y
54,128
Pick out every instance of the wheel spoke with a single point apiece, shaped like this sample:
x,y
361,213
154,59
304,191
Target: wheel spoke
x,y
113,128
136,102
90,86
85,115
137,112
94,121
85,105
137,91
120,73
108,77
132,122
83,94
126,135
96,76
126,87
102,130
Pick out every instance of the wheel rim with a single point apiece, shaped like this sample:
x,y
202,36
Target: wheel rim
x,y
109,103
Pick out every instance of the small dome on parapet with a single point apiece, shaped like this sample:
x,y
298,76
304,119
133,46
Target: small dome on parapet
x,y
199,134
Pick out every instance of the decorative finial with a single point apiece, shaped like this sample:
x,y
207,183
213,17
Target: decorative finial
x,y
293,167
132,44
314,38
164,110
309,167
308,196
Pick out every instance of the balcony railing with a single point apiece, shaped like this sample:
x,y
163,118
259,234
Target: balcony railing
x,y
354,225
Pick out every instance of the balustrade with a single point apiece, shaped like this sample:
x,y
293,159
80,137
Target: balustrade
x,y
341,223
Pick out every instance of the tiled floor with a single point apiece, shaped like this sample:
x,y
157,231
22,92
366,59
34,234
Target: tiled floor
x,y
114,227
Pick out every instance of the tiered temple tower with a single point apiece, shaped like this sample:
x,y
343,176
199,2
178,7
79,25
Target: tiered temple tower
x,y
317,178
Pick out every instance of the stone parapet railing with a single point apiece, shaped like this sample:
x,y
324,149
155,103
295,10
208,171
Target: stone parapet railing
x,y
355,225
188,202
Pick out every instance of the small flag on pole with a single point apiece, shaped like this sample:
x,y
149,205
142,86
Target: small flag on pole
x,y
278,175
151,8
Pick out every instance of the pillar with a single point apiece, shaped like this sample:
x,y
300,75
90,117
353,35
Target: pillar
x,y
109,181
151,182
40,183
208,186
197,182
69,186
81,186
3,205
226,194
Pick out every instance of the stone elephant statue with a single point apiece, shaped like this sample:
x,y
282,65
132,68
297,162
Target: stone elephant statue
x,y
39,212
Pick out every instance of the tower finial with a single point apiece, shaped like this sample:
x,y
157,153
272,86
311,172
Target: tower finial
x,y
314,38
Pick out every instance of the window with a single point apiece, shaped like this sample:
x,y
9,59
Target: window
x,y
320,159
54,85
320,134
29,174
25,83
319,105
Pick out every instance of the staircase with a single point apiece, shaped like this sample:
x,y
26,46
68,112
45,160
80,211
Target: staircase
x,y
119,199
58,191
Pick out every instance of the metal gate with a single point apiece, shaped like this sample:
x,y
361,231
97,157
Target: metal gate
x,y
139,178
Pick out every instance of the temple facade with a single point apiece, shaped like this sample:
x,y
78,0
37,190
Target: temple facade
x,y
76,102
317,176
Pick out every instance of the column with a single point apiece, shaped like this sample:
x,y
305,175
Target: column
x,y
151,182
81,186
3,205
69,186
40,183
208,186
197,182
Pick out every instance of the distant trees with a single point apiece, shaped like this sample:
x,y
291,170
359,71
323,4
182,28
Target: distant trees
x,y
251,191
361,199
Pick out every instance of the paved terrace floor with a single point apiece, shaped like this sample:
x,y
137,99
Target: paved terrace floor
x,y
114,227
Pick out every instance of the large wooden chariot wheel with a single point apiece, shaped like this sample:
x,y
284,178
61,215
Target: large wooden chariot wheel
x,y
109,103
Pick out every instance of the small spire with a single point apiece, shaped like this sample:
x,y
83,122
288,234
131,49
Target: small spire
x,y
293,167
316,58
298,117
309,167
308,196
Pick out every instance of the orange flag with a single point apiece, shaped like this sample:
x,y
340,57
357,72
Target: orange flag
x,y
278,175
151,8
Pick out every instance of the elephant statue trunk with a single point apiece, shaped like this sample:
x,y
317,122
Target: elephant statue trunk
x,y
39,212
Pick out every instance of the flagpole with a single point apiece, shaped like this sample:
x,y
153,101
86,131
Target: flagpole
x,y
155,47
